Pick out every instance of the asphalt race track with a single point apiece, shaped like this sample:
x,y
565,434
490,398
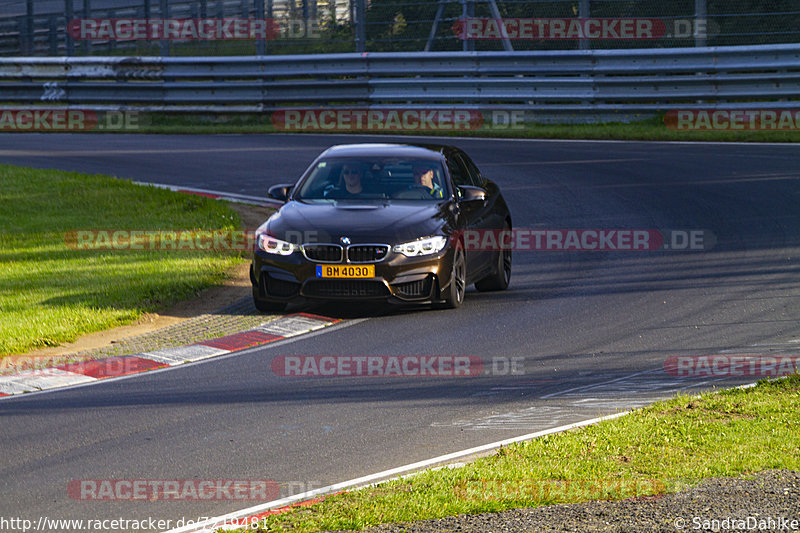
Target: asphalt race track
x,y
593,328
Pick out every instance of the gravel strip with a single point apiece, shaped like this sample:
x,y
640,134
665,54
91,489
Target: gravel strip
x,y
235,318
770,501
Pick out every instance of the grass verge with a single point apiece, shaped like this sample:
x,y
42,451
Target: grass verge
x,y
664,447
50,294
651,129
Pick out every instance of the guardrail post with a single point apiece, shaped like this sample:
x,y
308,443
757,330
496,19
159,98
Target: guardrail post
x,y
700,22
164,43
261,44
435,25
87,13
53,34
27,40
584,12
69,44
468,12
112,43
360,13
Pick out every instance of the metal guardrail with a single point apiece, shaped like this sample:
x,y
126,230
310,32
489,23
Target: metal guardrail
x,y
553,81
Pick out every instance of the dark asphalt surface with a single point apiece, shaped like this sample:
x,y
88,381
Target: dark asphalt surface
x,y
593,328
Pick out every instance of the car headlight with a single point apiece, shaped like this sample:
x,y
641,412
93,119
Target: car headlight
x,y
426,246
271,245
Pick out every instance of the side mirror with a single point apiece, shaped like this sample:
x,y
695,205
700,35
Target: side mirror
x,y
280,191
468,193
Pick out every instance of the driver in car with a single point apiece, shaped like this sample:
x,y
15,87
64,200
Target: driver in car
x,y
352,177
424,177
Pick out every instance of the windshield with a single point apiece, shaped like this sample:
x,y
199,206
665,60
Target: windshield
x,y
374,178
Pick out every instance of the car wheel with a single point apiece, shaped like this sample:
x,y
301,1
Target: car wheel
x,y
498,280
458,282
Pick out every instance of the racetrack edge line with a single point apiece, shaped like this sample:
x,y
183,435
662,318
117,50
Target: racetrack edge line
x,y
212,524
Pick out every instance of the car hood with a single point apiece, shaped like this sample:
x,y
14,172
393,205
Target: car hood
x,y
389,223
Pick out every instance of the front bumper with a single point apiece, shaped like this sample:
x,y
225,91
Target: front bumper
x,y
398,279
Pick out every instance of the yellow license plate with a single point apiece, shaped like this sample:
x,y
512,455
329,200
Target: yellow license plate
x,y
345,271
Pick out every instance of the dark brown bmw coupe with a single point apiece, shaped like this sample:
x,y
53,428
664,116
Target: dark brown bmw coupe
x,y
381,222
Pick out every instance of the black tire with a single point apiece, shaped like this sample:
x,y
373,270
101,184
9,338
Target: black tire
x,y
266,306
498,280
454,296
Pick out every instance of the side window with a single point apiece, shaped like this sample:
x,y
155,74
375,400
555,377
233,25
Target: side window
x,y
474,173
458,172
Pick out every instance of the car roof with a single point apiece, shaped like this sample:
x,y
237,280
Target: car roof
x,y
420,151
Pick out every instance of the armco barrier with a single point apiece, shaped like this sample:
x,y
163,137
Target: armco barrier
x,y
642,80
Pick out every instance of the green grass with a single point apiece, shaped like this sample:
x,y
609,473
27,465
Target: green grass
x,y
50,294
665,447
652,129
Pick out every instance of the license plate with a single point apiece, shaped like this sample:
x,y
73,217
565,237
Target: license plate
x,y
345,271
